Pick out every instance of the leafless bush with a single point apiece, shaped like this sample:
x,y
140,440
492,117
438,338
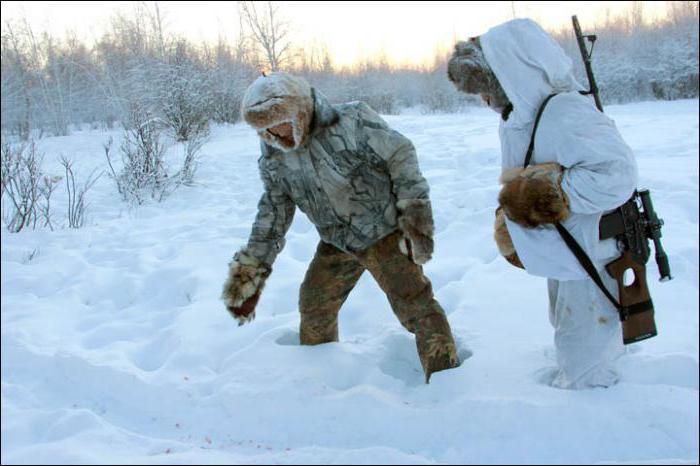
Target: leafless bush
x,y
190,163
21,182
46,190
77,206
49,83
143,170
29,190
184,94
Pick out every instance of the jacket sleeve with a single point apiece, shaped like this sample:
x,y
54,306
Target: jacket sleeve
x,y
600,170
275,215
398,153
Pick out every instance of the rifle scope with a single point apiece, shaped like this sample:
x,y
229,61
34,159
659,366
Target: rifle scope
x,y
653,230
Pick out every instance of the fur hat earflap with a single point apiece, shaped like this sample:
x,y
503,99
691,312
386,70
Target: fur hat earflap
x,y
533,196
246,279
276,99
415,221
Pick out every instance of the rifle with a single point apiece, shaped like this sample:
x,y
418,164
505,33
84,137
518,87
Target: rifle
x,y
586,55
632,225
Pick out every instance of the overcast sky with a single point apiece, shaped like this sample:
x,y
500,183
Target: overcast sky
x,y
408,32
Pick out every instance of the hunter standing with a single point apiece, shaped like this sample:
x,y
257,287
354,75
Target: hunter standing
x,y
580,168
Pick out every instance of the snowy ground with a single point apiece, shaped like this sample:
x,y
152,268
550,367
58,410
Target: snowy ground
x,y
117,349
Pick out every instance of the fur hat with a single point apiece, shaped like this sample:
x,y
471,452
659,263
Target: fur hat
x,y
276,99
470,73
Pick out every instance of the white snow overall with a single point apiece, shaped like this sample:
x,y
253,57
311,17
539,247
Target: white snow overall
x,y
600,174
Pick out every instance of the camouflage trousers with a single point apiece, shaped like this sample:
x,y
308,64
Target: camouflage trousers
x,y
333,273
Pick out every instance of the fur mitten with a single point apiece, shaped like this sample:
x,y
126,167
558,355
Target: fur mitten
x,y
533,196
504,241
246,279
416,223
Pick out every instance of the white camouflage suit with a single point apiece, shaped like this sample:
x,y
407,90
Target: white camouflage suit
x,y
600,174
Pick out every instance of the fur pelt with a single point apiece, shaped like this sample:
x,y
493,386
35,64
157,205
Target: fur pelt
x,y
415,219
533,196
504,241
246,279
275,99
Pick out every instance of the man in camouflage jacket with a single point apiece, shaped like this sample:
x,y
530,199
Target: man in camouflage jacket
x,y
359,183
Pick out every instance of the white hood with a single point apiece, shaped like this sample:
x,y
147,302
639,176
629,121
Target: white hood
x,y
529,65
600,170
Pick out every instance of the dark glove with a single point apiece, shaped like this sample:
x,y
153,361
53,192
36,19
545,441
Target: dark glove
x,y
245,312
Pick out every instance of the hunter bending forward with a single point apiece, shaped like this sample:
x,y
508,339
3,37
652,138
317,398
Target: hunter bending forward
x,y
359,183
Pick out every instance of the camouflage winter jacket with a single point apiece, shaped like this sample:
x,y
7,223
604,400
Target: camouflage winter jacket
x,y
347,179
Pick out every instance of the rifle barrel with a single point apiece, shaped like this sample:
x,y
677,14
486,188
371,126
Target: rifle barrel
x,y
593,88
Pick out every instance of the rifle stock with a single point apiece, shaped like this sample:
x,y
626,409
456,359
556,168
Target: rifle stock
x,y
638,310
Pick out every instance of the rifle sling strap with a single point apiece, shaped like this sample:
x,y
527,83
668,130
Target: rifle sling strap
x,y
531,147
576,249
585,261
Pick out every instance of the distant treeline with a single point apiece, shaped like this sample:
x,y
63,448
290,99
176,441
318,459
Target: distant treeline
x,y
634,60
51,86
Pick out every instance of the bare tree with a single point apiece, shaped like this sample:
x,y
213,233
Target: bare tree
x,y
682,12
16,82
157,26
50,83
636,15
270,31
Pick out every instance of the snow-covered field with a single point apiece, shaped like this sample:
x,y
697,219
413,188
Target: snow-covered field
x,y
117,349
